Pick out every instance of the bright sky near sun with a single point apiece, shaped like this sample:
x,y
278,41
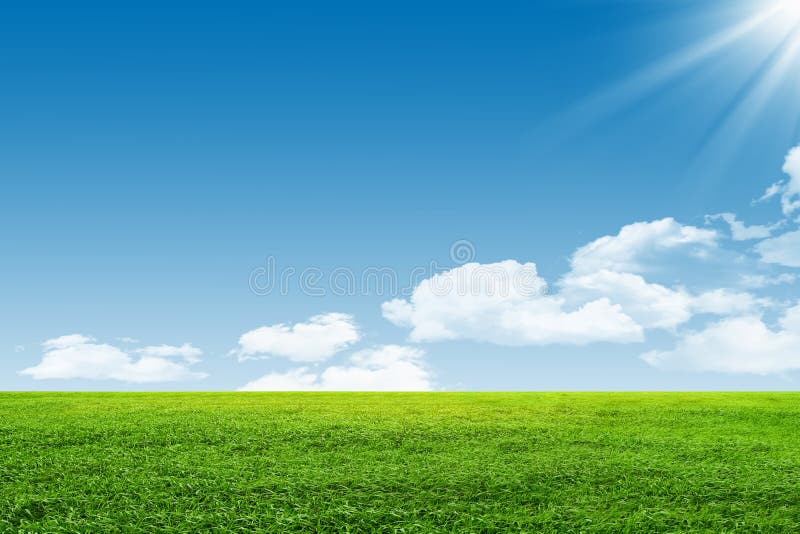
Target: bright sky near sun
x,y
460,195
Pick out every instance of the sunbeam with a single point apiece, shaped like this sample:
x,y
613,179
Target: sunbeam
x,y
743,107
768,36
791,9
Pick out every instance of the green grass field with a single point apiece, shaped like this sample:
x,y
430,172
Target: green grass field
x,y
566,462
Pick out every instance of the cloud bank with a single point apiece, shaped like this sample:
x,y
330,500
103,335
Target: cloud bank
x,y
607,295
617,288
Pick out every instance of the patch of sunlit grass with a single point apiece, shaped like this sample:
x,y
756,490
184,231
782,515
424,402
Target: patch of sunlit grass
x,y
399,462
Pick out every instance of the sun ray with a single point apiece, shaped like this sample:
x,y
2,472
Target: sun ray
x,y
607,103
729,137
758,85
769,27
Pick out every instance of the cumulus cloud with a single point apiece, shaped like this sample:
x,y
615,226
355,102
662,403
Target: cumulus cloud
x,y
604,297
637,243
650,305
742,232
782,250
80,357
316,340
505,303
743,344
383,368
653,305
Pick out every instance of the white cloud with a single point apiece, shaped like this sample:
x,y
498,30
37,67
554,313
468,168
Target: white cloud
x,y
76,356
66,341
130,340
783,249
727,302
186,351
736,345
316,340
650,305
384,368
504,303
771,192
653,305
758,281
638,243
742,232
603,298
789,190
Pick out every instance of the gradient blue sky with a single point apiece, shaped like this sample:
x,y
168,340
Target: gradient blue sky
x,y
153,154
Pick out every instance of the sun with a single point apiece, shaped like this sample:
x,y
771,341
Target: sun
x,y
783,15
763,34
791,8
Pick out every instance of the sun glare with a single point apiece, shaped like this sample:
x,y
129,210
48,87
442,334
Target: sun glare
x,y
786,14
791,8
766,37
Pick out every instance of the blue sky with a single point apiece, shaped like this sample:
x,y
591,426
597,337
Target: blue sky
x,y
154,157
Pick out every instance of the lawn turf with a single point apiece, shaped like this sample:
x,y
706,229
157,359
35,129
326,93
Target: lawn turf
x,y
395,462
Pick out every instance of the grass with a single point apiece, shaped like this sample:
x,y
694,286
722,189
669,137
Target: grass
x,y
478,462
